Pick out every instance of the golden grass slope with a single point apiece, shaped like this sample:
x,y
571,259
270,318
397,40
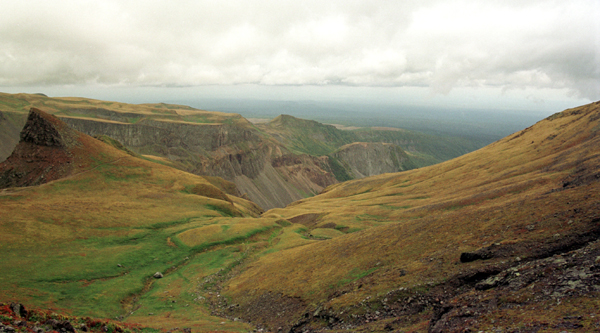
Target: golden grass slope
x,y
533,187
89,243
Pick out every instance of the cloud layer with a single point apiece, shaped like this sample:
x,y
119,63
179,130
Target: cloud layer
x,y
437,44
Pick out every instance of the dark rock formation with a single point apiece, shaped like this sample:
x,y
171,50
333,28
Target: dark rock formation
x,y
43,153
61,325
18,309
472,256
41,130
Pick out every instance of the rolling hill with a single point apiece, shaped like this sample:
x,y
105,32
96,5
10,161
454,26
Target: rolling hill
x,y
274,165
501,239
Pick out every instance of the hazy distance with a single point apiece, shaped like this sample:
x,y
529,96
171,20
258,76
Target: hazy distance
x,y
405,58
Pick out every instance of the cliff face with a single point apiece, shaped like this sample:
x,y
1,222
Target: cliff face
x,y
42,155
148,132
274,165
262,168
364,159
287,178
260,165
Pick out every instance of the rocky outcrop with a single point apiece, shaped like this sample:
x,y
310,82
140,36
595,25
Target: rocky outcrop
x,y
274,166
42,154
42,129
262,168
286,178
364,159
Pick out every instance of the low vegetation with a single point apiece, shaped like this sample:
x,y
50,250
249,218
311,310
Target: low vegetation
x,y
501,238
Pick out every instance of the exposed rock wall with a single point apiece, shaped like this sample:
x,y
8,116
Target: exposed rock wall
x,y
365,159
42,154
194,137
274,165
260,166
265,171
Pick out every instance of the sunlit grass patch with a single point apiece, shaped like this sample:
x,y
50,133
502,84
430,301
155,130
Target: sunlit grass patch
x,y
325,233
125,173
236,229
180,298
207,190
290,237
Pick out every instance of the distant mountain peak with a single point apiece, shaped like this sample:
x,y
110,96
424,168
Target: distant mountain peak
x,y
287,120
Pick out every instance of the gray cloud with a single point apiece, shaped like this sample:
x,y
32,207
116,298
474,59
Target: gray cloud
x,y
442,45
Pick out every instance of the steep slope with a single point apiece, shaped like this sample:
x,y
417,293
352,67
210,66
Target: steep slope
x,y
88,236
365,159
504,238
44,153
205,143
214,143
452,247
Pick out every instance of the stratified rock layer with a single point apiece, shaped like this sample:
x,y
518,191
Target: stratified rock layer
x,y
366,159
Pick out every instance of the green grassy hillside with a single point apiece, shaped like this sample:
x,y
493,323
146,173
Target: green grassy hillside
x,y
89,244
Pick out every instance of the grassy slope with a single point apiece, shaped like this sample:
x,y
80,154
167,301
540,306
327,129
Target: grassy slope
x,y
62,242
424,149
307,136
88,244
419,222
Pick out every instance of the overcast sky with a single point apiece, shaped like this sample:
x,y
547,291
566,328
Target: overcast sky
x,y
523,54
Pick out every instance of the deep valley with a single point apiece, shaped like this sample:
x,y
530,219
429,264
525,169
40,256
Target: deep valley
x,y
164,217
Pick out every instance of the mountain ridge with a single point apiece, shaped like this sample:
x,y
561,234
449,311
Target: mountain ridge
x,y
211,143
505,237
